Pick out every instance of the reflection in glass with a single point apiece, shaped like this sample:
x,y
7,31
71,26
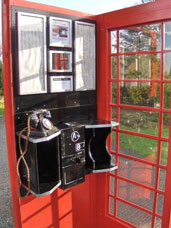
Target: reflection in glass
x,y
111,205
167,35
141,94
142,38
164,153
137,171
139,121
162,179
114,66
160,201
135,194
113,141
114,41
133,215
138,147
158,222
166,122
167,66
114,92
140,66
167,95
114,114
112,185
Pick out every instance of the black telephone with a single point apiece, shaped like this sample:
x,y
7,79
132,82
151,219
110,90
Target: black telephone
x,y
41,126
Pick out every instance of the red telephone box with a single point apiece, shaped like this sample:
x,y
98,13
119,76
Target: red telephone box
x,y
133,52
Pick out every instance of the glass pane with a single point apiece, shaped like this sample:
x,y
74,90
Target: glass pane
x,y
112,185
114,92
139,121
141,94
158,222
111,206
137,171
113,141
113,161
167,66
140,66
162,179
114,114
166,122
160,201
167,95
138,147
167,33
114,66
114,41
137,195
133,215
142,38
164,153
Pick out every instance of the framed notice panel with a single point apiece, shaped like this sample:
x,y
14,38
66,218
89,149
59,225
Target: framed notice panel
x,y
32,53
60,61
60,32
61,84
85,60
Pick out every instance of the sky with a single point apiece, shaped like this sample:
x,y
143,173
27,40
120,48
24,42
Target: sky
x,y
91,6
88,6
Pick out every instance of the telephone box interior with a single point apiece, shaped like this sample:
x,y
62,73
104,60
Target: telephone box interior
x,y
58,156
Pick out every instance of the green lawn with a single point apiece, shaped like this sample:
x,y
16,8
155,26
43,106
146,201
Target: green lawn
x,y
143,146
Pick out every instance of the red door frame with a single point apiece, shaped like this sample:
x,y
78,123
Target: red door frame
x,y
143,14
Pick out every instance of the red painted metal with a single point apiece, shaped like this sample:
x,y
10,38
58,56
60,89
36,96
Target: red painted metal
x,y
64,209
144,14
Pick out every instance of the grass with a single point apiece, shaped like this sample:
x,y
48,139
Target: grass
x,y
1,106
143,146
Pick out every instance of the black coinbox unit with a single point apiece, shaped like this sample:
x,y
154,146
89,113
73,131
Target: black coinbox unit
x,y
72,146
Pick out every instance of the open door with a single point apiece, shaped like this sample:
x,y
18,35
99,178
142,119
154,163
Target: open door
x,y
134,79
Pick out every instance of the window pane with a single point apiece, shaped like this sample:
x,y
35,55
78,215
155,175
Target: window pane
x,y
114,114
137,171
114,92
166,122
139,121
158,222
167,66
167,30
113,141
111,206
167,95
135,194
114,67
141,94
140,66
114,41
162,179
133,215
160,201
164,153
142,38
138,147
112,185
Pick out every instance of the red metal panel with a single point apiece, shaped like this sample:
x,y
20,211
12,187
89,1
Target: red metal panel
x,y
64,209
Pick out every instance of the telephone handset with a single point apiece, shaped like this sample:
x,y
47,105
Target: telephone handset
x,y
41,126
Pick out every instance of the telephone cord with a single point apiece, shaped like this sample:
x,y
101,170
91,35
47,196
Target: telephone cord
x,y
22,154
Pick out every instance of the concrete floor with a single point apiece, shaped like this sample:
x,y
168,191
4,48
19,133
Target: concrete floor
x,y
6,213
